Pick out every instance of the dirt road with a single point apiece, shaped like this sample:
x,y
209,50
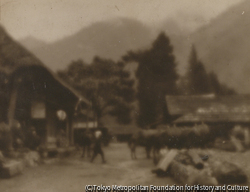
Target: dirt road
x,y
73,174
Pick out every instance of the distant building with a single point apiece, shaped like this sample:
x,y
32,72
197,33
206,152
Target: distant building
x,y
33,95
123,132
215,111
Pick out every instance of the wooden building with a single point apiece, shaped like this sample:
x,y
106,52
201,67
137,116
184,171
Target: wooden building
x,y
34,95
215,111
123,132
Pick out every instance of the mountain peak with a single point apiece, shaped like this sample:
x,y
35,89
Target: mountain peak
x,y
107,39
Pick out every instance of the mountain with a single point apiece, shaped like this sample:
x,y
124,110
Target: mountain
x,y
109,39
223,46
13,55
32,43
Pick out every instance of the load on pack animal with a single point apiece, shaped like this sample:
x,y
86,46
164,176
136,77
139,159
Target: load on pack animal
x,y
171,137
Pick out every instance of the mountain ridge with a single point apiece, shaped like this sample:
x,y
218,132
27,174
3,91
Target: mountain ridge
x,y
222,45
110,39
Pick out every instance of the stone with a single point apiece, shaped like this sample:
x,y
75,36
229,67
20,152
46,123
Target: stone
x,y
188,174
11,169
31,159
228,173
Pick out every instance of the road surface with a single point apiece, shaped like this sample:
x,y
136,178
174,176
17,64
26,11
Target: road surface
x,y
72,174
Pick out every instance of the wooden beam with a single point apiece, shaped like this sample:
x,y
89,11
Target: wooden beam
x,y
11,114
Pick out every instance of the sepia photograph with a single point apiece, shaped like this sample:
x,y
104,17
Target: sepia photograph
x,y
124,95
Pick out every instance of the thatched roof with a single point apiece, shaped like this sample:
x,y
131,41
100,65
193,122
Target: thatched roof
x,y
13,57
210,108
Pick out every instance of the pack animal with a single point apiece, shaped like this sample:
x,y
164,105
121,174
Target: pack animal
x,y
172,137
148,139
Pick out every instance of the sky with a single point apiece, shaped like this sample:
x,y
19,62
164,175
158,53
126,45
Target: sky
x,y
50,20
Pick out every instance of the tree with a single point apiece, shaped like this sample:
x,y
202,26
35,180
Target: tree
x,y
197,77
219,88
215,84
106,84
156,74
197,81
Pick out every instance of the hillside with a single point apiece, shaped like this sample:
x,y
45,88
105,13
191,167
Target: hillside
x,y
110,39
224,46
32,43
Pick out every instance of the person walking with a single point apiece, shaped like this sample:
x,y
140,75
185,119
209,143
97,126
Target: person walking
x,y
98,147
132,145
86,143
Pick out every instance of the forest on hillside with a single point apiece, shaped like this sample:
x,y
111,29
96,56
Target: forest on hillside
x,y
114,91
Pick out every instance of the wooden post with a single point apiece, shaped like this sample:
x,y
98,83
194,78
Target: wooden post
x,y
167,159
67,130
47,122
11,115
12,106
197,161
71,129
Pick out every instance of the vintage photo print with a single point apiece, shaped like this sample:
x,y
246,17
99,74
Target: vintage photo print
x,y
124,95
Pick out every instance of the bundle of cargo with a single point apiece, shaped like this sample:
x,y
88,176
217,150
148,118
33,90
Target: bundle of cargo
x,y
185,137
31,158
241,134
237,140
226,144
9,168
192,167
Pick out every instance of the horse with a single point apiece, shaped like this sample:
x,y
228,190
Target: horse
x,y
171,137
149,139
86,142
